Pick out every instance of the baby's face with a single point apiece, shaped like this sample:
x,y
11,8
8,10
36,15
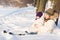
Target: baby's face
x,y
37,17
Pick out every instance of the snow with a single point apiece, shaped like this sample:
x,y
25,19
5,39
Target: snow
x,y
17,20
13,19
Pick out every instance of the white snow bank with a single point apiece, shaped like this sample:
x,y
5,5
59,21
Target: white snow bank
x,y
15,19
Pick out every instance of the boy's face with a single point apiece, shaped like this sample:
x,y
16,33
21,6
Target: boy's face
x,y
46,16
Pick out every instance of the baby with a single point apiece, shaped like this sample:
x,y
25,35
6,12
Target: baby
x,y
39,21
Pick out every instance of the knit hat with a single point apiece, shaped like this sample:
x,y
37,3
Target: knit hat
x,y
39,14
49,11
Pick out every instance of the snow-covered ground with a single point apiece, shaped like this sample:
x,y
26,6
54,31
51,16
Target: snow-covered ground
x,y
17,20
12,19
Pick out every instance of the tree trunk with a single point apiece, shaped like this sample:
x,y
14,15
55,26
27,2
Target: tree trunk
x,y
40,5
56,5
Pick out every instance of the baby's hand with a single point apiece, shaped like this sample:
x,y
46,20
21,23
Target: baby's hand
x,y
36,26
